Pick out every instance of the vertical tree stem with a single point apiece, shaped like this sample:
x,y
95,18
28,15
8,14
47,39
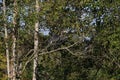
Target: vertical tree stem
x,y
36,42
6,39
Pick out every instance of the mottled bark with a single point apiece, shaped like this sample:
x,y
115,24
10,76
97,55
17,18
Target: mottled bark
x,y
36,42
6,39
14,41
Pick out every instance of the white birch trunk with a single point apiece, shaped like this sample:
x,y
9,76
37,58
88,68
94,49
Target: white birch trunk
x,y
14,42
14,56
6,40
36,42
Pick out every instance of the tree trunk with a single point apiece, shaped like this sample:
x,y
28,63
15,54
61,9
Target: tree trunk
x,y
6,39
36,42
14,41
14,57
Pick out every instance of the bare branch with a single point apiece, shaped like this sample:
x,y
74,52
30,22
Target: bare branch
x,y
43,53
28,53
30,59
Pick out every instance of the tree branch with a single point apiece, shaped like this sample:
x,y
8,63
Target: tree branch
x,y
44,53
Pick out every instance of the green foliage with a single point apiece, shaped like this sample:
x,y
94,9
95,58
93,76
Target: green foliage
x,y
3,75
97,59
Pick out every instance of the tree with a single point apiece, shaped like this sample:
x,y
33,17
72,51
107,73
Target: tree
x,y
35,63
6,39
82,40
14,38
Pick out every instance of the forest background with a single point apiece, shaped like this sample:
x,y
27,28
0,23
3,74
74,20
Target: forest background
x,y
60,39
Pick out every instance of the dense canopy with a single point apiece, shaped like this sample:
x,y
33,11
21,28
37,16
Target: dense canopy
x,y
60,39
